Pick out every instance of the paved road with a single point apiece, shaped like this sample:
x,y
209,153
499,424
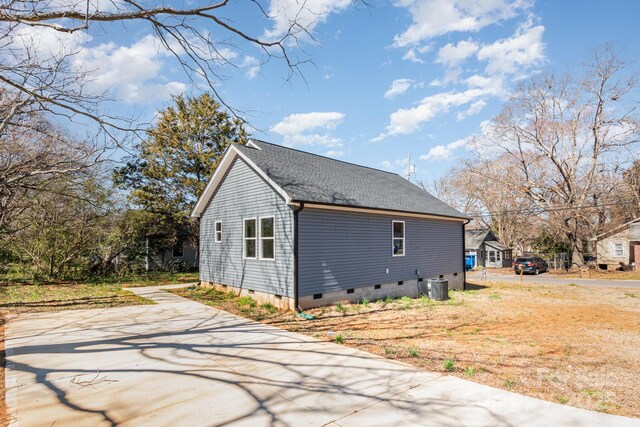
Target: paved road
x,y
553,280
180,363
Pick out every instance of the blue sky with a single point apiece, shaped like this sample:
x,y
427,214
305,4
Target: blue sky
x,y
400,78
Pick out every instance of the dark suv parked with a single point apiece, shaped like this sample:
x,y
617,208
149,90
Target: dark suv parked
x,y
530,264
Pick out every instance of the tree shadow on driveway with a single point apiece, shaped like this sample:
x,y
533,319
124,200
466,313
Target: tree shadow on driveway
x,y
181,362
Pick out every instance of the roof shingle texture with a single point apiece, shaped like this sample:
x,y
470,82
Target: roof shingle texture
x,y
307,177
474,238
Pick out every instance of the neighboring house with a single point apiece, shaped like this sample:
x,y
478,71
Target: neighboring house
x,y
301,230
483,249
619,246
183,255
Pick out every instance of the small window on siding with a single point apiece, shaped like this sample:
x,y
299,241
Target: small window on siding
x,y
249,238
618,249
498,255
492,256
218,231
267,238
397,233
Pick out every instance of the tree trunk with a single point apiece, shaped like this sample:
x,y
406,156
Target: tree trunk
x,y
576,251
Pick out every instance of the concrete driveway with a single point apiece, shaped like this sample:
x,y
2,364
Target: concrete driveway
x,y
180,363
553,280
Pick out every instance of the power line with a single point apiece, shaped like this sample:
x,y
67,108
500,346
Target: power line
x,y
537,211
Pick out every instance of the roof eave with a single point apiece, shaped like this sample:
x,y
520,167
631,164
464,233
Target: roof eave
x,y
311,203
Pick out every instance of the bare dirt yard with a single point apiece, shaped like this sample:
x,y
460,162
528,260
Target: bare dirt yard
x,y
571,274
571,344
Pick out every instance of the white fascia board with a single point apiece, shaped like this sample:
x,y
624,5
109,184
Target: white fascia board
x,y
358,209
221,170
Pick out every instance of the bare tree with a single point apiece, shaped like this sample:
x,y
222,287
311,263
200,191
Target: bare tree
x,y
32,152
198,37
488,201
564,136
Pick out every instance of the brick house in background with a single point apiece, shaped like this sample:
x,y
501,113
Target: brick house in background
x,y
619,246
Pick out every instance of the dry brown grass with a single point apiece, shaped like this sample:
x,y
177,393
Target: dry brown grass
x,y
567,344
600,274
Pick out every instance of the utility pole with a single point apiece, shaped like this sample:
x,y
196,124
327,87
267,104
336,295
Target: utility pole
x,y
409,168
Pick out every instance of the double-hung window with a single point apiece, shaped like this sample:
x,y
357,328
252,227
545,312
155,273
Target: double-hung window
x,y
267,238
397,232
218,232
249,234
618,249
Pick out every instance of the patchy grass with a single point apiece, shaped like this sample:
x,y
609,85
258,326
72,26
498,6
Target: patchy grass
x,y
153,278
158,279
556,343
31,298
599,274
36,298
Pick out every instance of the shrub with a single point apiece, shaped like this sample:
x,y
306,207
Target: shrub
x,y
341,308
270,308
449,364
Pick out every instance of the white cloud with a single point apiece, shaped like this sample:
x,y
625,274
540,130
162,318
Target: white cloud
x,y
522,50
251,66
130,71
444,152
334,153
412,57
474,109
432,18
408,120
453,55
306,15
398,87
43,43
310,129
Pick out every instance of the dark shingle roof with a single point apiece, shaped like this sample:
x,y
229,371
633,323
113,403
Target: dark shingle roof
x,y
474,238
307,177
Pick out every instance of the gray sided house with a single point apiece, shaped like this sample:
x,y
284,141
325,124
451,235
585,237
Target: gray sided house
x,y
619,246
300,230
483,249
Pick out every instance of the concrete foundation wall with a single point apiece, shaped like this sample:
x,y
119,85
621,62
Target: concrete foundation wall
x,y
282,302
408,288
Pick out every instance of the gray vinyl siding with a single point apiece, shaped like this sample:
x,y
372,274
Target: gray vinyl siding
x,y
341,250
244,194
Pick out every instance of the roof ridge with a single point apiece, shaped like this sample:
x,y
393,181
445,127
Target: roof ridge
x,y
325,157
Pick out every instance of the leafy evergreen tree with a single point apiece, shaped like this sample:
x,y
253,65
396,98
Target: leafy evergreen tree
x,y
171,168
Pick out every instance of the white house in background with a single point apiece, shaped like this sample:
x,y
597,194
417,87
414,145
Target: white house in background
x,y
619,247
483,249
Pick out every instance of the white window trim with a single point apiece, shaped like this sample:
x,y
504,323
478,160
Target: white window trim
x,y
244,238
404,240
615,255
215,231
267,238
